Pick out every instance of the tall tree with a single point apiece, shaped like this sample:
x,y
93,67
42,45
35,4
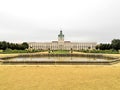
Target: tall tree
x,y
25,45
115,44
104,46
4,45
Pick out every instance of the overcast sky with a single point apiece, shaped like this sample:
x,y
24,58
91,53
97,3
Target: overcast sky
x,y
41,20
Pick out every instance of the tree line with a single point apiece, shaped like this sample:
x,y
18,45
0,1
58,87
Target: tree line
x,y
6,45
115,44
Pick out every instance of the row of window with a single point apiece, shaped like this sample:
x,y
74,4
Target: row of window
x,y
56,47
63,46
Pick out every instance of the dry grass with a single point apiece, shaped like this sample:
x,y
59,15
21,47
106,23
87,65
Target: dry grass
x,y
42,52
17,54
110,55
113,55
8,55
60,77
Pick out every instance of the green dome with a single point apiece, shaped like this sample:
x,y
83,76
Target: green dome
x,y
61,35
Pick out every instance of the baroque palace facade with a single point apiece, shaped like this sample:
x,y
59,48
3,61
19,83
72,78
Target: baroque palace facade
x,y
61,44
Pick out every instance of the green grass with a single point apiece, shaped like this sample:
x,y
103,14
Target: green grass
x,y
10,51
59,52
14,51
101,51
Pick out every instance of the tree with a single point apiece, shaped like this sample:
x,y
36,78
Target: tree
x,y
6,45
115,44
25,45
0,45
104,46
97,47
71,50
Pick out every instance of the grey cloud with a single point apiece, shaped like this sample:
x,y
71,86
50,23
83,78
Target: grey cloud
x,y
94,20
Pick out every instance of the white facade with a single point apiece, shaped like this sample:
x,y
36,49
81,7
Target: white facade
x,y
62,45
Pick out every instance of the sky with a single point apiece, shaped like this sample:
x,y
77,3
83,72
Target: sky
x,y
41,20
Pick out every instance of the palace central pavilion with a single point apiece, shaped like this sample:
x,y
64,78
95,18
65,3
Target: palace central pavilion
x,y
62,45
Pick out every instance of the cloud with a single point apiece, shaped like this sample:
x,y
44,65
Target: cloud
x,y
41,20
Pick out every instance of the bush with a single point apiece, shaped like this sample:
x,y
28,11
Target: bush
x,y
101,51
1,51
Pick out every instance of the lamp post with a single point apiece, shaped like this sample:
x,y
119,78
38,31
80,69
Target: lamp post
x,y
71,50
48,50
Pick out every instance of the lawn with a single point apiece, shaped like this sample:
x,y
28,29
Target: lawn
x,y
60,52
50,77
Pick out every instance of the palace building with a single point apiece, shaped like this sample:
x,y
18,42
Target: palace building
x,y
62,45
